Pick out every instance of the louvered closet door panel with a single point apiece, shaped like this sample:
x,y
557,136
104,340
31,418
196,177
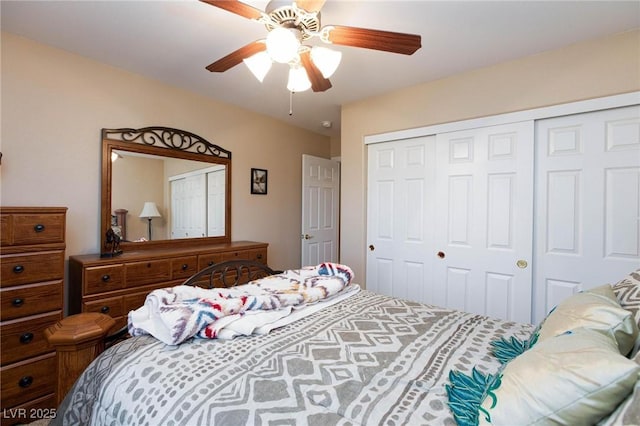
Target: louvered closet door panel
x,y
588,202
483,220
400,218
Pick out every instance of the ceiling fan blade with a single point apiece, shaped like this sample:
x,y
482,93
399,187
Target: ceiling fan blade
x,y
310,5
388,41
234,58
318,82
237,7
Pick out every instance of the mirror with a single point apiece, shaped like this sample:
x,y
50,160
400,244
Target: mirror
x,y
163,186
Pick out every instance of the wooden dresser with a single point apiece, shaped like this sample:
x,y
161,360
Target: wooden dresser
x,y
117,285
32,247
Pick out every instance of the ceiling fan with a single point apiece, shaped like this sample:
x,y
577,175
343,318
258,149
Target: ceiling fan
x,y
289,25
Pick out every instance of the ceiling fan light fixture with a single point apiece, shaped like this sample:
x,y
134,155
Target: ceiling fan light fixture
x,y
283,44
259,64
298,79
327,60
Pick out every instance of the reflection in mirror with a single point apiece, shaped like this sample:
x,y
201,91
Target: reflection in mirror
x,y
185,177
189,196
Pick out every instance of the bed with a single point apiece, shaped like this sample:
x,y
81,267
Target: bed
x,y
369,359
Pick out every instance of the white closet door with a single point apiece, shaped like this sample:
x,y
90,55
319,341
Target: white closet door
x,y
188,207
483,220
400,218
216,194
588,202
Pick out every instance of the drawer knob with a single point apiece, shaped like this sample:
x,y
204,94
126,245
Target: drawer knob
x,y
185,266
39,228
210,263
259,256
26,338
25,382
104,309
17,302
106,277
18,269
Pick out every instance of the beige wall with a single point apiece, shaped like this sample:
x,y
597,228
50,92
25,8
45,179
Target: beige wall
x,y
135,180
54,104
587,70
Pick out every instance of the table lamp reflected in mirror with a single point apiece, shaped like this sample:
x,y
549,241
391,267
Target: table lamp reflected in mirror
x,y
149,211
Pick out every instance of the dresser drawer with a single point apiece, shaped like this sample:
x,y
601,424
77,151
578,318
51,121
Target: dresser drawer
x,y
258,255
148,272
30,299
112,306
103,278
38,228
5,229
235,255
134,300
183,267
24,338
27,380
205,260
31,268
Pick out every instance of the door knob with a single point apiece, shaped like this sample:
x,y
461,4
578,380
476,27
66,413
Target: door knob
x,y
441,254
306,236
521,264
372,247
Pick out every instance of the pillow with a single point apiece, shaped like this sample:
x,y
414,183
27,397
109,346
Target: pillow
x,y
628,412
574,378
595,309
627,292
506,350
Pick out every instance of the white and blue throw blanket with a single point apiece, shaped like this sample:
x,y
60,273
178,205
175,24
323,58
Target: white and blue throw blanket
x,y
175,314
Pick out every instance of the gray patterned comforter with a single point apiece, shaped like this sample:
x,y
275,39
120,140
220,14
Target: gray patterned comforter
x,y
368,360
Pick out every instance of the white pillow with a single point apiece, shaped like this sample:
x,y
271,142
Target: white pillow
x,y
595,309
575,378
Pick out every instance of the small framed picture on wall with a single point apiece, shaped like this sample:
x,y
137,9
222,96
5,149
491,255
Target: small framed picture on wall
x,y
258,181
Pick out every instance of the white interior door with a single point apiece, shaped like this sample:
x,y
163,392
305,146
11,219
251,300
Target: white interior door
x,y
587,202
216,194
320,210
400,206
484,220
188,207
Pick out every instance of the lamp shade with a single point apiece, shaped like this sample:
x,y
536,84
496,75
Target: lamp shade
x,y
298,79
150,210
327,60
259,64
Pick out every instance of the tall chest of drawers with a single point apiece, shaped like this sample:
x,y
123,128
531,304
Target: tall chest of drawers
x,y
115,286
32,250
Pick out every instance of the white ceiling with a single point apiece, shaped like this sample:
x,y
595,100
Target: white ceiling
x,y
173,41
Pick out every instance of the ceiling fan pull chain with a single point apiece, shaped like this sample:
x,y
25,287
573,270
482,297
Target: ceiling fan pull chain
x,y
290,103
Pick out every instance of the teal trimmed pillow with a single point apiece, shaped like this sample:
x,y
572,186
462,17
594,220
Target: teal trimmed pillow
x,y
466,393
574,378
506,350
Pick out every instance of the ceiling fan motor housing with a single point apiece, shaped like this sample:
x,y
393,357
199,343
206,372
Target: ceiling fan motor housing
x,y
290,16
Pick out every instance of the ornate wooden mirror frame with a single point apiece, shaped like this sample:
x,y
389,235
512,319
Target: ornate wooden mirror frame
x,y
162,142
